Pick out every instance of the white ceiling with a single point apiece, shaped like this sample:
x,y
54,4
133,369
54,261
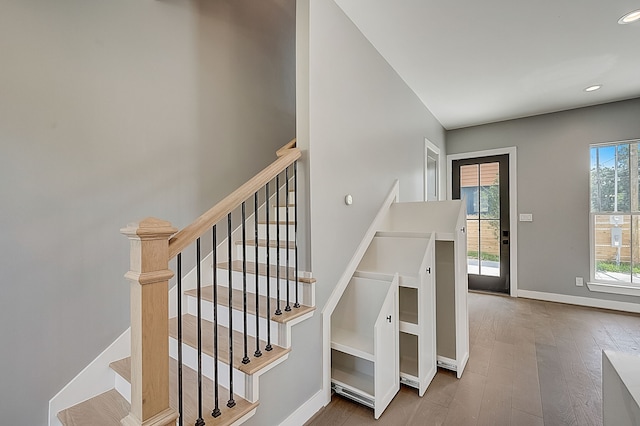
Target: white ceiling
x,y
474,62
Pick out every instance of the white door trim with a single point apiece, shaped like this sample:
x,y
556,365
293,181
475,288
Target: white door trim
x,y
513,203
430,146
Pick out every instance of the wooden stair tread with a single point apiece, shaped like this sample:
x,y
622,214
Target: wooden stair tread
x,y
275,222
223,299
190,392
262,271
106,409
190,337
291,245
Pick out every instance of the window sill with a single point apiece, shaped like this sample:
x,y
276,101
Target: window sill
x,y
627,290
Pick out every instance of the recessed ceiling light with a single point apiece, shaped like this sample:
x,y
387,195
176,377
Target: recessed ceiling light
x,y
593,88
630,17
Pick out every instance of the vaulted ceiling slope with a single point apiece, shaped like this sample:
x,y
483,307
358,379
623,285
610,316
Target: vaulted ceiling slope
x,y
475,62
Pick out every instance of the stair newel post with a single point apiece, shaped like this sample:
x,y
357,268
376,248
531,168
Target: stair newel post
x,y
149,276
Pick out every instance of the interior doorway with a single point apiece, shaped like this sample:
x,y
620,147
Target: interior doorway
x,y
431,171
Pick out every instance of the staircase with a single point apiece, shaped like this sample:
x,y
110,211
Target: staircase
x,y
251,294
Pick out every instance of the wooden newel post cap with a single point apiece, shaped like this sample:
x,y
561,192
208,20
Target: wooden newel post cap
x,y
149,254
149,228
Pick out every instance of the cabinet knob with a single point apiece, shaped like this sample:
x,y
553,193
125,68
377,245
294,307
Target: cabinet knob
x,y
429,270
389,319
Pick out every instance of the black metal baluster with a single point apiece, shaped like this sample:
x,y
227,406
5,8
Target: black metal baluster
x,y
268,347
231,402
179,321
216,407
278,311
200,420
295,225
257,353
286,215
245,358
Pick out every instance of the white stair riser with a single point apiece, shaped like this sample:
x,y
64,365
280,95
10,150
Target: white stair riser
x,y
273,254
238,318
273,228
283,212
190,359
223,280
292,194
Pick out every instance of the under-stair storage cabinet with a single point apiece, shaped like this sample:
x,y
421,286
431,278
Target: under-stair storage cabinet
x,y
447,221
411,256
364,342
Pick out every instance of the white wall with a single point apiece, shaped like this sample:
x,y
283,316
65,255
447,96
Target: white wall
x,y
111,111
553,185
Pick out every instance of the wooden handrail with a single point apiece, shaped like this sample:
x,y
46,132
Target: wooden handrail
x,y
181,240
291,144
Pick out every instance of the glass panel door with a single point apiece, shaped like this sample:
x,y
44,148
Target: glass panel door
x,y
483,184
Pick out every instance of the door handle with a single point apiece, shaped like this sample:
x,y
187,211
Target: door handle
x,y
389,319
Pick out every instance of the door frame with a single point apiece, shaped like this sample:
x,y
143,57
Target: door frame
x,y
430,146
513,203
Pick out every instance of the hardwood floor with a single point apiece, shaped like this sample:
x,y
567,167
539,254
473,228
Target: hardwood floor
x,y
531,363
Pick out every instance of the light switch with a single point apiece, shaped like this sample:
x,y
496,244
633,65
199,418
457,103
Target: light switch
x,y
526,217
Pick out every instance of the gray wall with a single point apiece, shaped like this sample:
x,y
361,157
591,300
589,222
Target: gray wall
x,y
553,184
111,111
361,128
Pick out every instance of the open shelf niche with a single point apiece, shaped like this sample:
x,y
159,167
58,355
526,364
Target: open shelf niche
x,y
411,256
446,220
364,341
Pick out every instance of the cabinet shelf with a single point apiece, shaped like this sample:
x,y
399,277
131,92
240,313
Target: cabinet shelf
x,y
352,379
352,343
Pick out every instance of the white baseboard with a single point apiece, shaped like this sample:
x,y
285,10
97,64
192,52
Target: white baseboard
x,y
94,379
581,301
305,411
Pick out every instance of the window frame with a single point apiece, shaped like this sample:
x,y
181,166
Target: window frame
x,y
599,285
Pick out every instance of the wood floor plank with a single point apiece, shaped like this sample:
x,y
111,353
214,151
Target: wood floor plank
x,y
336,413
526,392
442,388
465,407
520,418
556,402
429,414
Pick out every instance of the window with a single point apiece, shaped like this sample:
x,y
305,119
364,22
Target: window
x,y
615,217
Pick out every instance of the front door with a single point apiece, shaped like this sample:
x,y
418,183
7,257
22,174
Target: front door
x,y
484,184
